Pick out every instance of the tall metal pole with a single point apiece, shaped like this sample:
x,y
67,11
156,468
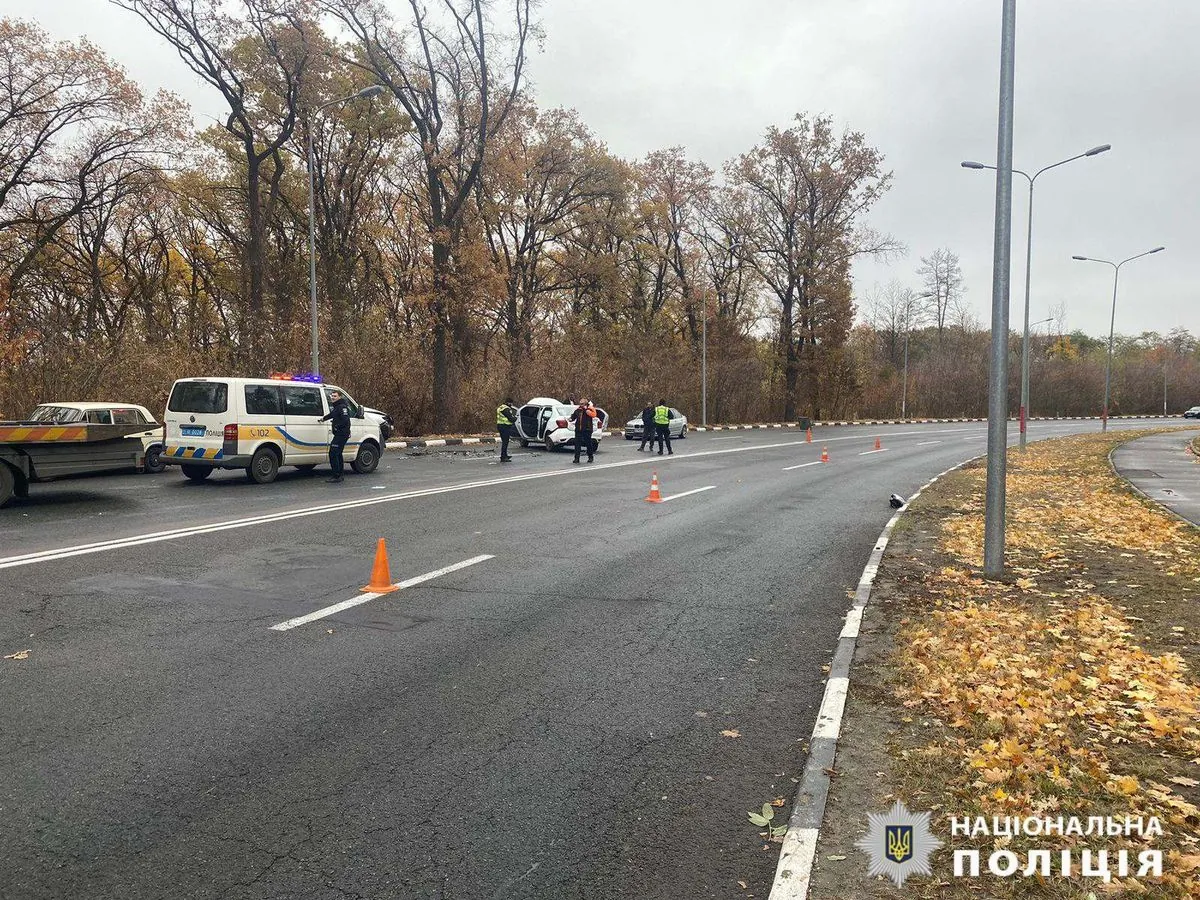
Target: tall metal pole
x,y
1025,334
1112,321
904,390
704,366
312,259
1108,362
993,517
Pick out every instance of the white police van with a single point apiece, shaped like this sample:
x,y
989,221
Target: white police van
x,y
260,424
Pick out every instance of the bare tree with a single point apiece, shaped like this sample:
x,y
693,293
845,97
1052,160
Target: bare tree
x,y
941,276
257,62
441,71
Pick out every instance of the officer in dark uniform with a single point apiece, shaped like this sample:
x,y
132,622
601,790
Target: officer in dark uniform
x,y
506,418
647,428
339,413
584,419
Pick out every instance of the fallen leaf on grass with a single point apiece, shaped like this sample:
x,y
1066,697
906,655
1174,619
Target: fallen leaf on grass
x,y
835,857
1186,782
731,733
20,654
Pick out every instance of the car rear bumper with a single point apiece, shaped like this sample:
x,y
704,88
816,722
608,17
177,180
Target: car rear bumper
x,y
200,456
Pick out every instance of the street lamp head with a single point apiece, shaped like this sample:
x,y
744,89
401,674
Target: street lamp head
x,y
373,90
968,164
1096,151
1156,249
1082,258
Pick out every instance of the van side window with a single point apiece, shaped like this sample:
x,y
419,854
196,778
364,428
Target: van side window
x,y
263,400
302,401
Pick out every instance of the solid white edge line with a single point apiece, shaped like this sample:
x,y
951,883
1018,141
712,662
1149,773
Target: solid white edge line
x,y
368,597
688,493
815,462
798,851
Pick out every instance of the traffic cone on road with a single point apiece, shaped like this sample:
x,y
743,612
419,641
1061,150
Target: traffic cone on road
x,y
824,454
878,446
808,436
381,575
655,496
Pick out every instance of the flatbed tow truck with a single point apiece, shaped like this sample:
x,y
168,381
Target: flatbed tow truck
x,y
41,451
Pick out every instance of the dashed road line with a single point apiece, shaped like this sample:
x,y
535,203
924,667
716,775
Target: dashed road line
x,y
688,493
815,462
368,597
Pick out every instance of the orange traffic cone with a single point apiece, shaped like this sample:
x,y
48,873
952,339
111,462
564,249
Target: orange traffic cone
x,y
824,454
878,446
655,496
808,436
381,575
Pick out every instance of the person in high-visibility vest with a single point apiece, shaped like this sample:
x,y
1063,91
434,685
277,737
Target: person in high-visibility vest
x,y
662,426
506,418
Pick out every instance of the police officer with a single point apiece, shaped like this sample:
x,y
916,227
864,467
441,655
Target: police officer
x,y
647,428
662,426
506,418
584,418
339,413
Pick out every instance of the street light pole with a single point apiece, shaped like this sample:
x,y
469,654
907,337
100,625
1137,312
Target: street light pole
x,y
367,92
704,366
993,515
1112,323
1095,151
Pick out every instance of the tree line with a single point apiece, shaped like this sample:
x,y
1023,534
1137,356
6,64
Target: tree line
x,y
469,243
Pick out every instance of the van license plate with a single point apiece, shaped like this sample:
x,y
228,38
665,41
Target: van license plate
x,y
191,432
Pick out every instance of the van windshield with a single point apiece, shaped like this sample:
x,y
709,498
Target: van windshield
x,y
199,397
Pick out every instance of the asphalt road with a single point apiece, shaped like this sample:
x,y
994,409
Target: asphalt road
x,y
546,722
1161,468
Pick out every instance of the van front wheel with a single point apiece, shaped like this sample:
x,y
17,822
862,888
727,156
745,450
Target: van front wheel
x,y
264,466
196,473
367,460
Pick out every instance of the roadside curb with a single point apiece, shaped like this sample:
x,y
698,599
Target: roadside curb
x,y
798,852
1158,504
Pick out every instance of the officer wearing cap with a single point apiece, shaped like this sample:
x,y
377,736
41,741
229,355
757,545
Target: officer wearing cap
x,y
339,413
506,418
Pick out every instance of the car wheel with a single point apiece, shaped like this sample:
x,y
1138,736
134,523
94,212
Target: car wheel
x,y
551,446
264,466
682,432
524,443
307,467
196,473
8,482
154,461
367,459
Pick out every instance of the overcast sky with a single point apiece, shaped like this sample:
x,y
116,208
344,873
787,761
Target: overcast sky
x,y
920,78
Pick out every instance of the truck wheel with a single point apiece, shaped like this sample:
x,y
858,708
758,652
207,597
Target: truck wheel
x,y
196,473
264,466
8,483
366,460
154,460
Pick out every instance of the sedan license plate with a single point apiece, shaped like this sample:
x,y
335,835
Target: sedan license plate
x,y
196,431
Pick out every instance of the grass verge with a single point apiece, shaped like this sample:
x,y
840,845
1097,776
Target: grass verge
x,y
1066,689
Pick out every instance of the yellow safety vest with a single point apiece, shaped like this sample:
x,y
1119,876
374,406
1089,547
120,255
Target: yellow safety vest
x,y
502,417
662,415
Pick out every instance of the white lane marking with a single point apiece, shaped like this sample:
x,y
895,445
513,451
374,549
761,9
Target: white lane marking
x,y
924,443
880,450
367,598
833,704
26,559
815,462
688,493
